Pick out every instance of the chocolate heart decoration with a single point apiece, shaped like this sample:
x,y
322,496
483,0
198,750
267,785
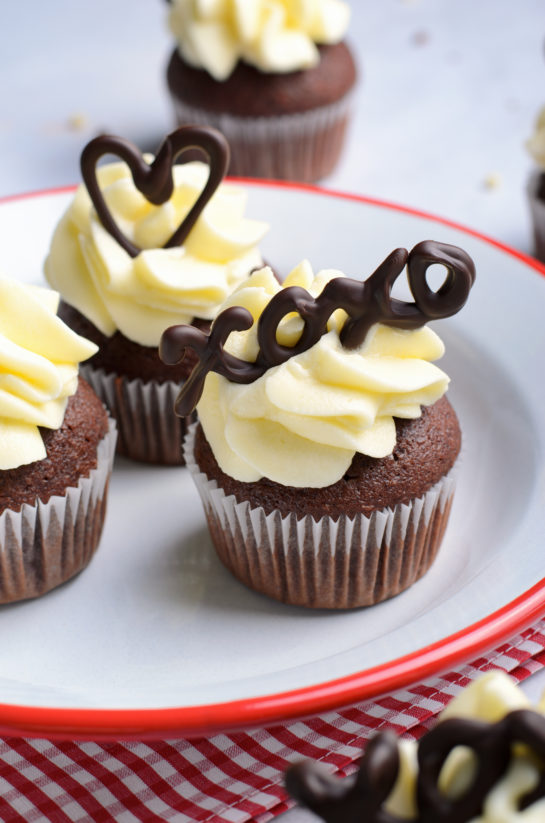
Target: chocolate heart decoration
x,y
155,181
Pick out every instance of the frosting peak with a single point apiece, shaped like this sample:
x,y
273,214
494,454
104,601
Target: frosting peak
x,y
140,296
302,421
272,35
40,357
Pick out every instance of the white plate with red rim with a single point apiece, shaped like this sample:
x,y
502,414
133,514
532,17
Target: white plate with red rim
x,y
156,639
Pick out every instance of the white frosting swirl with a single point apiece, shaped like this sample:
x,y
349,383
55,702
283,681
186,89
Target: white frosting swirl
x,y
40,357
273,35
301,423
536,143
160,287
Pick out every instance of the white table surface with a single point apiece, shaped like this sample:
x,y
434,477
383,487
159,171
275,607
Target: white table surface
x,y
448,95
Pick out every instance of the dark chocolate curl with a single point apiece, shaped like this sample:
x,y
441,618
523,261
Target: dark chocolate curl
x,y
212,356
365,303
349,801
491,748
452,295
155,182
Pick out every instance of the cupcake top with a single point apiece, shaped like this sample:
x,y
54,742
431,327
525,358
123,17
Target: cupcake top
x,y
273,35
536,143
136,257
308,374
40,369
482,763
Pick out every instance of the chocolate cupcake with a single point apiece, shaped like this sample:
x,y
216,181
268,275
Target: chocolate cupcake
x,y
144,245
325,449
481,763
57,448
275,77
536,185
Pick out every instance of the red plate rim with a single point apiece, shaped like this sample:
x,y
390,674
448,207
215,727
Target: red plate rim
x,y
196,721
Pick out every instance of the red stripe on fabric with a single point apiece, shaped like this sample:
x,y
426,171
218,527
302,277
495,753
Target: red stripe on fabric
x,y
337,735
402,707
190,773
8,813
250,743
48,807
223,761
358,715
108,779
164,789
431,693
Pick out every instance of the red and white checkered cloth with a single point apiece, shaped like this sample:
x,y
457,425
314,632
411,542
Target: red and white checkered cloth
x,y
229,778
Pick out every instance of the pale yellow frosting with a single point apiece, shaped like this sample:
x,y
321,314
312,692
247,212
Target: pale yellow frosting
x,y
489,699
272,35
39,369
536,143
301,423
160,287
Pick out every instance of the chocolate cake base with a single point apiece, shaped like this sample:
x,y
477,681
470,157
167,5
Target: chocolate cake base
x,y
288,126
249,92
138,390
71,454
119,355
425,451
53,509
362,540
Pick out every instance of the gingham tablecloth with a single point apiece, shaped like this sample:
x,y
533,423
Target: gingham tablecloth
x,y
229,778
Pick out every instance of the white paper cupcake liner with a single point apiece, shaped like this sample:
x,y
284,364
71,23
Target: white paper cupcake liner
x,y
43,545
335,564
537,211
303,146
149,430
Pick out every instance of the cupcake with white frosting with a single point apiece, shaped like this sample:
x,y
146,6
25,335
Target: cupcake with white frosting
x,y
131,259
482,762
275,76
325,447
57,445
536,185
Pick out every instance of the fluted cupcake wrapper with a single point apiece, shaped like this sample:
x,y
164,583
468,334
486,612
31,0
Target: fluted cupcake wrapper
x,y
149,430
303,146
43,545
537,211
334,564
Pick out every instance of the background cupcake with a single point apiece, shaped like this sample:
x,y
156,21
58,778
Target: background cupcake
x,y
274,76
480,763
324,480
536,185
57,447
130,259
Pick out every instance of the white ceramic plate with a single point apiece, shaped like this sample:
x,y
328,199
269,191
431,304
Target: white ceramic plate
x,y
156,638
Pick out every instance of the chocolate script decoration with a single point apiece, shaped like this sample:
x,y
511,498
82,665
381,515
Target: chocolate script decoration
x,y
155,181
365,303
362,799
212,357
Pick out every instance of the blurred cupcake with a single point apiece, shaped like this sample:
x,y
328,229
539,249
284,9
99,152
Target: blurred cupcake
x,y
324,450
142,247
57,447
274,76
481,763
536,185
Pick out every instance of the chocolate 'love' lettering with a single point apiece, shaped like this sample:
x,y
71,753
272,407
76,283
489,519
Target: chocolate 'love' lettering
x,y
365,303
155,181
